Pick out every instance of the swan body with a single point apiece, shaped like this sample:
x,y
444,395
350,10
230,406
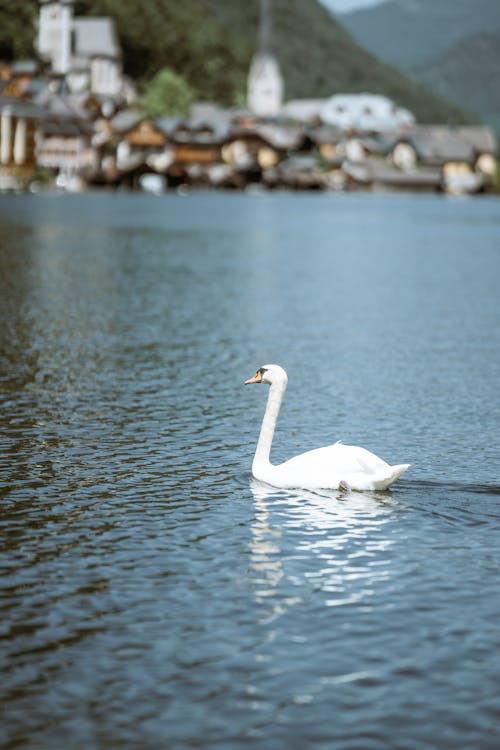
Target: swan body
x,y
335,466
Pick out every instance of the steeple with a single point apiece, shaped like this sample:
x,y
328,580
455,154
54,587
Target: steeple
x,y
265,27
265,84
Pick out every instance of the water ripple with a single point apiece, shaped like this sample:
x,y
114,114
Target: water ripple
x,y
153,594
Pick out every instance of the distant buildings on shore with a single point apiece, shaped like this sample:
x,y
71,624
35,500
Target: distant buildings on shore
x,y
76,126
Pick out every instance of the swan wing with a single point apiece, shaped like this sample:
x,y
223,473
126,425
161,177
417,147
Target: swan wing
x,y
328,467
343,459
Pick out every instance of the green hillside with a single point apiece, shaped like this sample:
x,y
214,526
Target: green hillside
x,y
467,74
210,43
409,34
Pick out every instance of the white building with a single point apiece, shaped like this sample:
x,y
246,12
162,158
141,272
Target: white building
x,y
265,86
84,50
365,112
265,83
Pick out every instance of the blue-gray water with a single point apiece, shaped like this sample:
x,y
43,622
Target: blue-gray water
x,y
152,595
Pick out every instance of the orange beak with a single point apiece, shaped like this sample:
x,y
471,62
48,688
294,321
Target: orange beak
x,y
257,378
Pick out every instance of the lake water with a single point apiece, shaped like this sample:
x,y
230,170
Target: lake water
x,y
152,594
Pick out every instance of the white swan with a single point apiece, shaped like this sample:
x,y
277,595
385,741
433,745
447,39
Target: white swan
x,y
332,467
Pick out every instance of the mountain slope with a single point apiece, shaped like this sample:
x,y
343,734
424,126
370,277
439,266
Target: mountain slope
x,y
409,33
467,74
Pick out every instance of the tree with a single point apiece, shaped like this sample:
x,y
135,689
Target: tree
x,y
17,29
167,94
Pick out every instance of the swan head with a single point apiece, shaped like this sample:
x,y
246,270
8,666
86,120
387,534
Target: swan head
x,y
270,374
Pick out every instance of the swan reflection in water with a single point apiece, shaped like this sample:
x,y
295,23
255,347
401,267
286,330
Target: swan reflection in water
x,y
331,542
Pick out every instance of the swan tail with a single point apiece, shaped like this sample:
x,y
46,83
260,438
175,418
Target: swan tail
x,y
389,477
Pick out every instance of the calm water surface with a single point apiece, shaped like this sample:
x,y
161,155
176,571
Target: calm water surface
x,y
152,594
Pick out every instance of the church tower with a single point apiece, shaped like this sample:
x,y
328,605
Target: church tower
x,y
54,33
265,84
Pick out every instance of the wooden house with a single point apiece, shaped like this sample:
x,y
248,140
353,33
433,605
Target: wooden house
x,y
381,175
65,133
456,152
198,143
432,145
484,147
328,140
65,146
146,135
247,151
195,148
138,144
253,149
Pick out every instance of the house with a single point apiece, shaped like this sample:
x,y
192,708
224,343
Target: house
x,y
65,147
329,142
197,153
142,145
380,175
284,139
484,146
248,151
256,153
65,133
196,143
459,154
365,113
18,132
16,78
432,145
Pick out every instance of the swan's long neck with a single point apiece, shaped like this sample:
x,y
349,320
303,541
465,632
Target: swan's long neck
x,y
263,450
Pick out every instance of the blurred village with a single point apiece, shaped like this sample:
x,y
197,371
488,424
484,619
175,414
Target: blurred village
x,y
74,123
